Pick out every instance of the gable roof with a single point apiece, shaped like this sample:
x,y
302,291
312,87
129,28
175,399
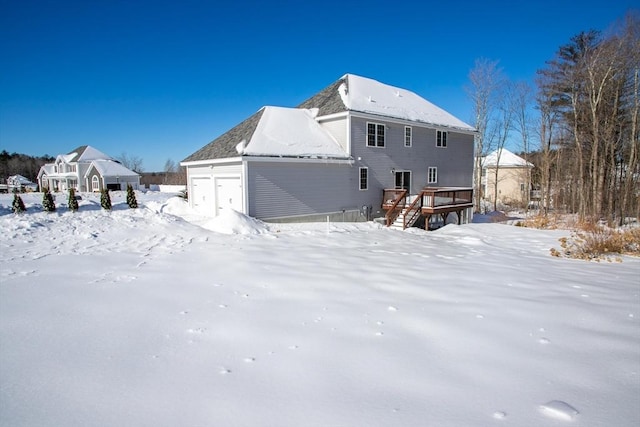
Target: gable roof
x,y
356,93
507,159
291,132
349,93
224,146
110,168
85,153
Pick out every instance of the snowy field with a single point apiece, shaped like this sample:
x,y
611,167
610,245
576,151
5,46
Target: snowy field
x,y
157,317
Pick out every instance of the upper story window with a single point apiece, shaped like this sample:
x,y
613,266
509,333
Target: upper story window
x,y
441,138
364,178
407,136
71,168
375,135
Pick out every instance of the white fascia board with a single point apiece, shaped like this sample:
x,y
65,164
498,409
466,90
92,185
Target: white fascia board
x,y
212,161
374,117
332,116
297,160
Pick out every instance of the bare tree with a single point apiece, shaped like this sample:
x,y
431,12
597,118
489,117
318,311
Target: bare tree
x,y
131,162
592,86
170,169
485,79
522,100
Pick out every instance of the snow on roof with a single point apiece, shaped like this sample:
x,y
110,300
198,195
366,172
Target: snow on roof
x,y
91,153
111,168
507,159
370,96
19,179
291,132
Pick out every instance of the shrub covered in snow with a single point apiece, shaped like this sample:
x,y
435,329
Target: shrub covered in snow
x,y
105,199
73,202
131,197
17,205
47,201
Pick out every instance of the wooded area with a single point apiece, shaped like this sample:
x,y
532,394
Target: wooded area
x,y
21,164
587,102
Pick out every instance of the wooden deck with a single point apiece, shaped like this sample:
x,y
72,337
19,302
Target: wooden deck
x,y
429,202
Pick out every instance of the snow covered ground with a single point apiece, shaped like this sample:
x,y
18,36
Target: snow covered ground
x,y
158,317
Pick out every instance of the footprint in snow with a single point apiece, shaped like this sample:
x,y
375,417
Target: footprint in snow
x,y
544,340
499,415
559,410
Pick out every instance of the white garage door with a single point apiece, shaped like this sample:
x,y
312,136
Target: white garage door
x,y
202,195
228,194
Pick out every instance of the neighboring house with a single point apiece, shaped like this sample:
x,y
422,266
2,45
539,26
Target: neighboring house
x,y
86,169
20,183
332,156
511,173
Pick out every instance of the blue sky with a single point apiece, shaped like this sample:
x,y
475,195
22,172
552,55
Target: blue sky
x,y
160,79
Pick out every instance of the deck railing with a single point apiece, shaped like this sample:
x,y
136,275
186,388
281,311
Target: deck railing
x,y
393,201
440,197
430,200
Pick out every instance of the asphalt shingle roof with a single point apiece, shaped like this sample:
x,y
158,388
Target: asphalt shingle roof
x,y
224,146
328,100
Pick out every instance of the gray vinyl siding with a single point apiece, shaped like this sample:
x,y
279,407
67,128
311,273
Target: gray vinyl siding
x,y
454,163
89,178
281,189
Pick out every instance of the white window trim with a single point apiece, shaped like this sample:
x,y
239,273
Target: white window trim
x,y
403,171
384,138
434,170
408,143
95,180
360,179
442,141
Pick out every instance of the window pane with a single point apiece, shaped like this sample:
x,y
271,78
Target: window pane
x,y
364,173
371,135
380,136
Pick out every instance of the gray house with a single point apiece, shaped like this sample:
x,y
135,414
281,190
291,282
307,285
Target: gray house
x,y
334,156
86,169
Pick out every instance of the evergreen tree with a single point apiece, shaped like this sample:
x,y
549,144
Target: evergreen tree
x,y
105,199
18,204
73,203
131,197
47,201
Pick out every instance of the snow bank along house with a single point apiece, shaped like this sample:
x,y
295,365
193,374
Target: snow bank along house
x,y
86,169
357,150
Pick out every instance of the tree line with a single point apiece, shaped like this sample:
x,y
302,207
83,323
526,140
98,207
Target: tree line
x,y
580,122
21,164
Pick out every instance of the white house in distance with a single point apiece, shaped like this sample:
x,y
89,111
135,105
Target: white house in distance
x,y
511,173
334,156
86,169
20,183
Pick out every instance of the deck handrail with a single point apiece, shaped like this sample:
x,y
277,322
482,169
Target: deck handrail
x,y
412,208
393,212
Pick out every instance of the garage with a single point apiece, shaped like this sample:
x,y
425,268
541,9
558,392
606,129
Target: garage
x,y
228,194
202,195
